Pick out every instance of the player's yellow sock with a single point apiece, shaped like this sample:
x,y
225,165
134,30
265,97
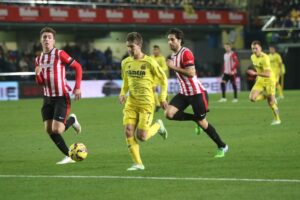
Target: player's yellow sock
x,y
153,130
260,97
134,150
279,90
275,111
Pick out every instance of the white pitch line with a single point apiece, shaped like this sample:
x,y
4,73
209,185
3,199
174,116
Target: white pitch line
x,y
154,178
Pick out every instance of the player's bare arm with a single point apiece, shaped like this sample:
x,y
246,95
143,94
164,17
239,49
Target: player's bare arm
x,y
189,72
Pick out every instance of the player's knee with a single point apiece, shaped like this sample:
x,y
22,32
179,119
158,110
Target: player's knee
x,y
129,131
169,115
141,137
57,130
48,130
252,98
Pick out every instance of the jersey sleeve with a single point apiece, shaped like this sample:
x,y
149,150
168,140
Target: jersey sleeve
x,y
125,87
161,76
188,59
68,60
235,62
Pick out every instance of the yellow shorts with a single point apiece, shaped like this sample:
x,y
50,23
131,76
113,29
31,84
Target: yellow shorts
x,y
277,77
266,85
142,117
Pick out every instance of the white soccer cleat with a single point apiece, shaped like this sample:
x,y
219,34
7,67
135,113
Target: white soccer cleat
x,y
222,100
76,124
162,130
276,122
136,167
66,160
235,100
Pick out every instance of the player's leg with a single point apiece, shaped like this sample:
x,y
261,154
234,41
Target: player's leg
x,y
223,87
61,111
270,89
130,120
176,107
72,119
156,98
234,87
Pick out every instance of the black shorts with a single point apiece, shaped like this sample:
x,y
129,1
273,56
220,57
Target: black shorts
x,y
199,103
227,77
57,108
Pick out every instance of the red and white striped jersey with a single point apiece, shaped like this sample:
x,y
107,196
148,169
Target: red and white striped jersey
x,y
231,63
188,85
53,75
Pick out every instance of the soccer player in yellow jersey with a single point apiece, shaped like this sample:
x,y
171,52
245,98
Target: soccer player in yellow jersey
x,y
161,60
277,68
264,86
138,74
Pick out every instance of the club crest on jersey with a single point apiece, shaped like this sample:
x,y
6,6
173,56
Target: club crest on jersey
x,y
143,67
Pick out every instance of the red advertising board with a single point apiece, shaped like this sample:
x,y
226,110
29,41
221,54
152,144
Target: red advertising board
x,y
118,16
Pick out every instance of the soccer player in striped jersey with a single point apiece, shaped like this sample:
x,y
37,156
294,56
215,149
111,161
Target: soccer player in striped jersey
x,y
264,87
231,63
50,73
192,93
138,74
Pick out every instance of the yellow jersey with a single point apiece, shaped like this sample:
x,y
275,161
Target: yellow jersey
x,y
276,63
161,60
262,63
138,79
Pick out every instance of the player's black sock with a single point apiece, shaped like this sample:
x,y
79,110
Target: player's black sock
x,y
69,122
234,91
182,116
212,133
60,143
223,88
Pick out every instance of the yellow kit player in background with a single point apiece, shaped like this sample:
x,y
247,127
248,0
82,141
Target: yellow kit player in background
x,y
264,87
161,60
138,74
278,69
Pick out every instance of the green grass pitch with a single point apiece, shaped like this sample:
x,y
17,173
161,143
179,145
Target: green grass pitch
x,y
259,155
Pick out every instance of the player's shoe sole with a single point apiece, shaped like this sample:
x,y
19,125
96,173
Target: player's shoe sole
x,y
221,152
162,130
276,122
76,125
66,160
136,167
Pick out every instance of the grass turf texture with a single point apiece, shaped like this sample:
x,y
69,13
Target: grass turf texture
x,y
256,151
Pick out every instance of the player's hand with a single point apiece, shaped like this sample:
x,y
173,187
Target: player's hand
x,y
38,70
122,99
77,93
251,72
164,105
170,63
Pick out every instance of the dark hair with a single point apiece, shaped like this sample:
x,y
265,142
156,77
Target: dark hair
x,y
48,30
135,37
228,43
178,34
256,42
156,46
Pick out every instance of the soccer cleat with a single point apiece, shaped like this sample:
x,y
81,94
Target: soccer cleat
x,y
198,130
76,124
222,100
162,130
235,100
221,152
66,160
276,122
136,167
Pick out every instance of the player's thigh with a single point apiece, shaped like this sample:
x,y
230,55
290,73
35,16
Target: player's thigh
x,y
257,88
62,109
47,109
145,118
225,78
233,79
179,101
199,105
130,115
270,88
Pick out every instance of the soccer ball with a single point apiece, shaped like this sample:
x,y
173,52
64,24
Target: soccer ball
x,y
78,151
